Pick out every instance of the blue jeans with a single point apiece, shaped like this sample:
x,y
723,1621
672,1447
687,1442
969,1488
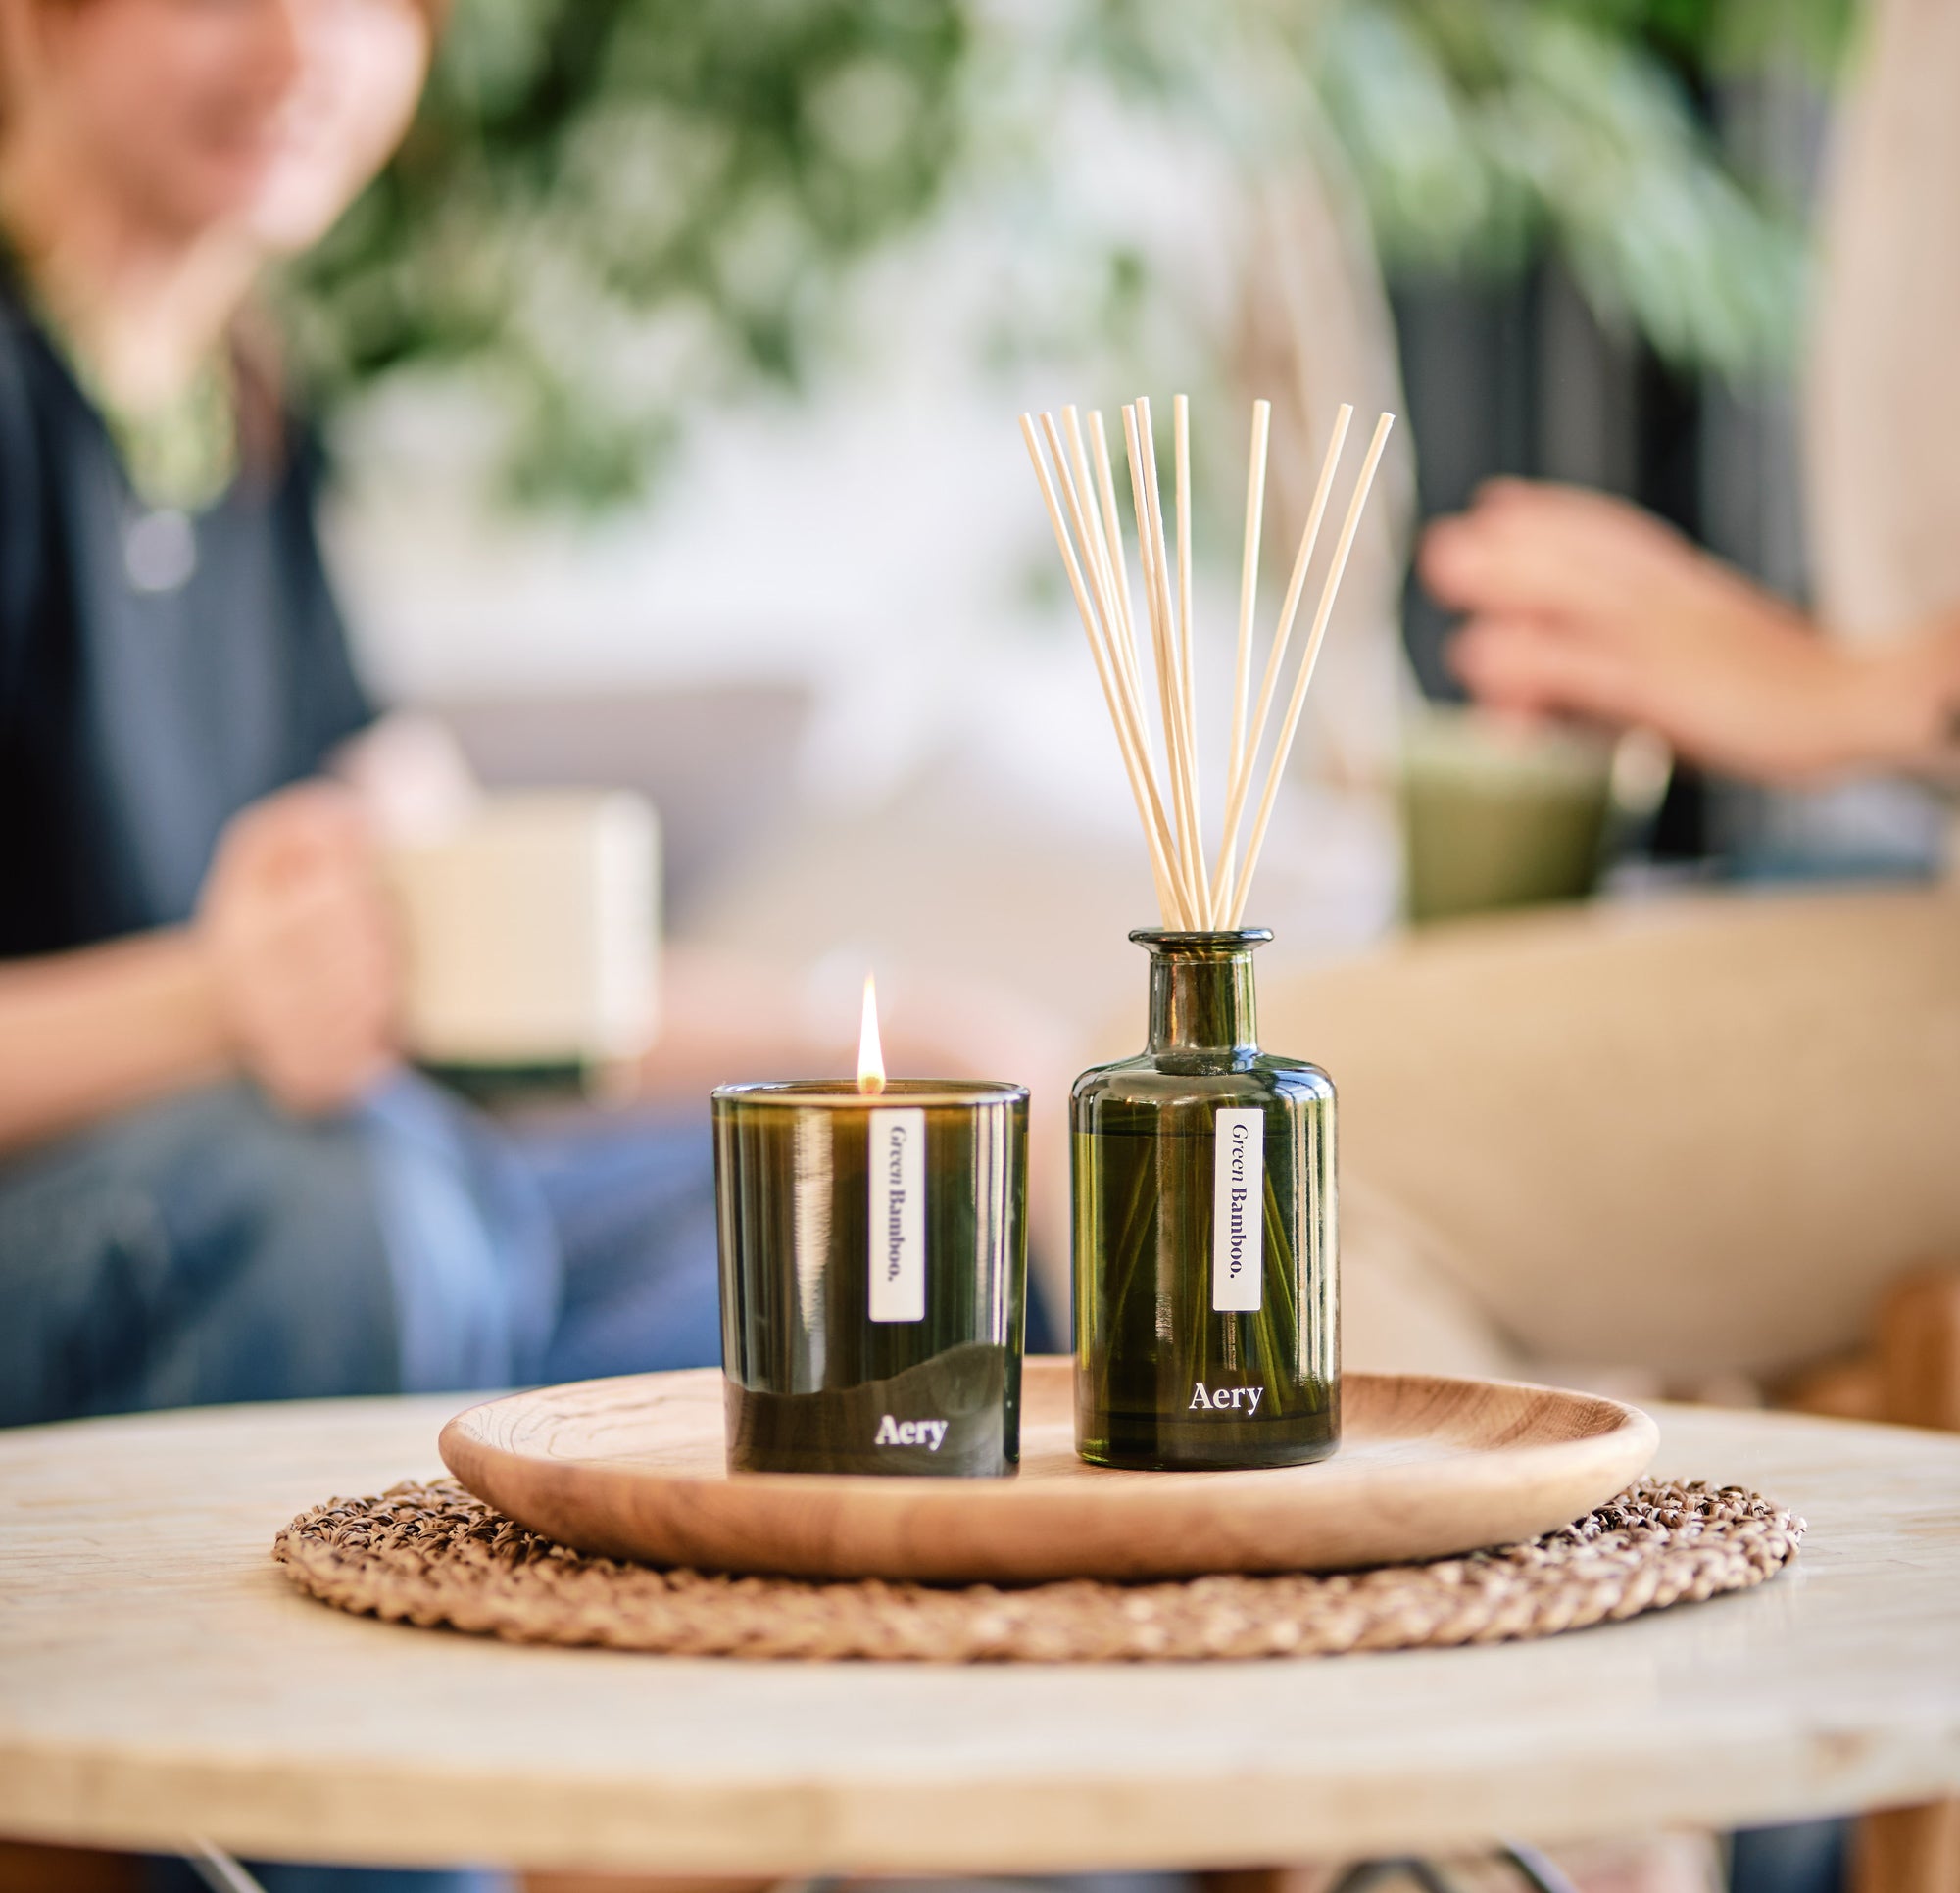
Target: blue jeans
x,y
212,1248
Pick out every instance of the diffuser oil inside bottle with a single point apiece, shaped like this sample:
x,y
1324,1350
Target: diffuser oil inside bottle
x,y
1204,1234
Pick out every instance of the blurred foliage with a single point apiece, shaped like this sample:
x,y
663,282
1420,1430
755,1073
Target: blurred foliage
x,y
1479,136
610,210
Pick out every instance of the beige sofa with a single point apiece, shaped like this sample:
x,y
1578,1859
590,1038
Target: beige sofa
x,y
1698,1138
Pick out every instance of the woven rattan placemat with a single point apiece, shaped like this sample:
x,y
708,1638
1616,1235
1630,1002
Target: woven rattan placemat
x,y
434,1555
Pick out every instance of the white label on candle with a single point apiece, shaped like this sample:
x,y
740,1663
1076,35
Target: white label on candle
x,y
1237,1224
897,1215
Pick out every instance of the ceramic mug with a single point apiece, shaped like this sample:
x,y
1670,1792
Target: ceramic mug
x,y
532,934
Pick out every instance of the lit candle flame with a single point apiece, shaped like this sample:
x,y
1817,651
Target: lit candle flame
x,y
870,1054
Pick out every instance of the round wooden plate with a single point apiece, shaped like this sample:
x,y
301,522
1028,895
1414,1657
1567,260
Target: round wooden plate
x,y
633,1468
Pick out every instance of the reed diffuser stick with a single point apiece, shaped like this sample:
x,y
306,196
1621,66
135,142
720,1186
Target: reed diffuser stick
x,y
1248,598
1133,725
1172,679
1098,504
1106,482
1322,614
1110,536
1243,762
1096,544
1150,554
1179,409
1112,612
1072,475
1145,793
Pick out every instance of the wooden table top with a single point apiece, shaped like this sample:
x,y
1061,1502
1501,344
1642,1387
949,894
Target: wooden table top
x,y
161,1681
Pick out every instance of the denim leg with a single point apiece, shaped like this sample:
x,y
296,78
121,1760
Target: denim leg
x,y
203,1249
165,1874
212,1248
468,1237
631,1197
1807,1857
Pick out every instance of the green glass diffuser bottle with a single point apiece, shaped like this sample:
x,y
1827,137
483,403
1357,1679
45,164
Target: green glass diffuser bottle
x,y
1204,1259
1205,1310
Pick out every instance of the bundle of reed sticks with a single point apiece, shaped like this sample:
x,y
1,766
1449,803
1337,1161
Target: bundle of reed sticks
x,y
1195,893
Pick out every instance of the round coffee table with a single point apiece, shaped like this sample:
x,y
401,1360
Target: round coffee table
x,y
161,1685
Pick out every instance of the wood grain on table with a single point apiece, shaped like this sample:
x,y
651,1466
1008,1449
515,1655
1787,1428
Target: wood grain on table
x,y
160,1679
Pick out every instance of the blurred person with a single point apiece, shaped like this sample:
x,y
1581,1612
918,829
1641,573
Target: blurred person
x,y
189,911
215,1183
1578,604
208,1189
217,1180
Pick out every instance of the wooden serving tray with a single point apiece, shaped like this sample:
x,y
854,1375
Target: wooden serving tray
x,y
633,1468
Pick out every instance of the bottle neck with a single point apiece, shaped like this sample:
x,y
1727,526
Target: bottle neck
x,y
1201,1002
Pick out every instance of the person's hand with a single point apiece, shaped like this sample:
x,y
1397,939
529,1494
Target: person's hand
x,y
1582,606
298,932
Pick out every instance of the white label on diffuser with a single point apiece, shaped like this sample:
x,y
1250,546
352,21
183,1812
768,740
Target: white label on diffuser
x,y
1238,1225
897,1215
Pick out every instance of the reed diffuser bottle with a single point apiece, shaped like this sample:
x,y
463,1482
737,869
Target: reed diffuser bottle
x,y
1205,1304
1204,1254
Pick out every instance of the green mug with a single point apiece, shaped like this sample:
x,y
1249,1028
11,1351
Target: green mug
x,y
1498,815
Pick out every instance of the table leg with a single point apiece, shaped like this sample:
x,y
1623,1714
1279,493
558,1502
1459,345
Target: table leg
x,y
1242,1880
31,1867
220,1871
1908,1850
1533,1868
1374,1873
1916,1849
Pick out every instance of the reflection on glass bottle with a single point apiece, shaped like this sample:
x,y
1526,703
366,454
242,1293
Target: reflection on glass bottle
x,y
1205,1312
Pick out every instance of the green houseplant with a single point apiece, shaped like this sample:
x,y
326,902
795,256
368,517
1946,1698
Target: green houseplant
x,y
614,210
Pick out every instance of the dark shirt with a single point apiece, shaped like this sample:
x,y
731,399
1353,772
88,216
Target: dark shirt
x,y
156,673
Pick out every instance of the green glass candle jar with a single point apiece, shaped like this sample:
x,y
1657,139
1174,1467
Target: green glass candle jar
x,y
1205,1303
873,1275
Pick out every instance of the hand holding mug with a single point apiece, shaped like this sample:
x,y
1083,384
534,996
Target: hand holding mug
x,y
299,934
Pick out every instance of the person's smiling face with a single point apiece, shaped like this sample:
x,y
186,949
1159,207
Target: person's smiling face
x,y
267,113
